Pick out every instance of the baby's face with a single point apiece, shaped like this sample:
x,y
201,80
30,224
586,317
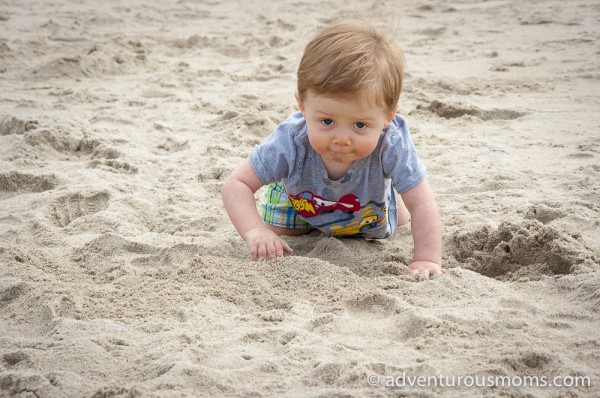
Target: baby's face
x,y
345,129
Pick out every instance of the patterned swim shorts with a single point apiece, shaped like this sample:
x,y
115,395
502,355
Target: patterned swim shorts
x,y
276,208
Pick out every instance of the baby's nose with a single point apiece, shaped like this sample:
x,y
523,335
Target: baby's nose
x,y
342,138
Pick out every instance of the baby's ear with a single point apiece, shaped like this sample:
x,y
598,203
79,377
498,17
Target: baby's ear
x,y
391,115
299,101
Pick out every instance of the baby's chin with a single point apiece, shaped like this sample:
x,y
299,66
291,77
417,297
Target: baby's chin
x,y
338,157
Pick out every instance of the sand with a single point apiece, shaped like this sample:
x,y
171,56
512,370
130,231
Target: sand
x,y
121,275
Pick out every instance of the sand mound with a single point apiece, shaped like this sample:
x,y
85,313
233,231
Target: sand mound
x,y
515,251
18,182
13,125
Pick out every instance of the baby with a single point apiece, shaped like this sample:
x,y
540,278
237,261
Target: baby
x,y
345,164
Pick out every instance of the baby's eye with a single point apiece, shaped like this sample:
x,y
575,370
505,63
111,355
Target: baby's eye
x,y
327,122
360,126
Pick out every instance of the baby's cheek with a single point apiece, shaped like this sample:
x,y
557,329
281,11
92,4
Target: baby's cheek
x,y
314,142
365,148
318,145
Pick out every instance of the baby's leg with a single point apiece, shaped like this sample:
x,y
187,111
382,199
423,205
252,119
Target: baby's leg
x,y
288,231
403,213
278,213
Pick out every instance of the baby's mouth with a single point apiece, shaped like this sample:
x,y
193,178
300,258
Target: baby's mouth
x,y
340,152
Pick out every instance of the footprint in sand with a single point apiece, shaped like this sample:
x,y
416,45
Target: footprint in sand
x,y
12,292
376,304
111,256
214,169
394,319
544,213
450,111
530,362
114,166
59,143
171,145
100,59
29,314
17,359
66,209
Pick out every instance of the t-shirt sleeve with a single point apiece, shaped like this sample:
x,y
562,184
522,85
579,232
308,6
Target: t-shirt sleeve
x,y
400,160
273,159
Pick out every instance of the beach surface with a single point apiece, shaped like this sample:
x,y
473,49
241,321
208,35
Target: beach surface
x,y
122,276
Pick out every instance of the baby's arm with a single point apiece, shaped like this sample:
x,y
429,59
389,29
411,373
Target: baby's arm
x,y
426,230
238,198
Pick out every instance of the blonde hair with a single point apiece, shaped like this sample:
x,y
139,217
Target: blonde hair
x,y
352,59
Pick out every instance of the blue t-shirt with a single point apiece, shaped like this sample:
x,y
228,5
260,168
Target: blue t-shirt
x,y
362,202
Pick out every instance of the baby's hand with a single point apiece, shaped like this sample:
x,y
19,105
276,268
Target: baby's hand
x,y
426,268
264,243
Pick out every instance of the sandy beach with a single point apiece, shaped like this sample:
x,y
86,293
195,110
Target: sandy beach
x,y
122,276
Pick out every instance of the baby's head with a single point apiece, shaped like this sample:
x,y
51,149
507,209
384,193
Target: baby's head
x,y
352,60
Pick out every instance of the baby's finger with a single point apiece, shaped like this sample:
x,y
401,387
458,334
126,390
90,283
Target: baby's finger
x,y
279,252
438,272
282,247
423,272
271,250
286,247
279,249
262,251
